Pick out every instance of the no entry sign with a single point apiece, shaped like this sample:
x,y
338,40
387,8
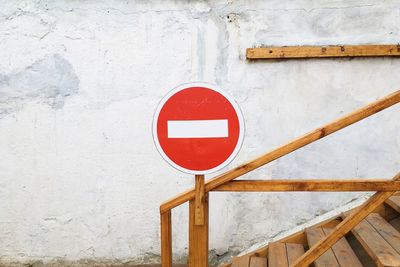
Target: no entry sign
x,y
197,128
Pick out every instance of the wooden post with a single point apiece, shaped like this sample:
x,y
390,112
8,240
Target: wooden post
x,y
198,226
199,200
166,239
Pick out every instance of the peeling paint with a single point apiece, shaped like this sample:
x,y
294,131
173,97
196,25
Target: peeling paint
x,y
49,80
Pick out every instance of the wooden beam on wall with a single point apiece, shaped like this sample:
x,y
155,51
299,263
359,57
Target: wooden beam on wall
x,y
287,52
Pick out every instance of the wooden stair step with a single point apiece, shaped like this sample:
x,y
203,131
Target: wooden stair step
x,y
241,261
249,261
396,223
328,258
385,229
341,253
294,251
344,254
258,262
283,254
374,244
394,202
277,256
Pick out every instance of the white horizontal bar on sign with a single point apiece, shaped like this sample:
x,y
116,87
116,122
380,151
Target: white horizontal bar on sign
x,y
198,129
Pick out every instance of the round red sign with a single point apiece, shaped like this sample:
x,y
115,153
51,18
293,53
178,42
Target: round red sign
x,y
197,128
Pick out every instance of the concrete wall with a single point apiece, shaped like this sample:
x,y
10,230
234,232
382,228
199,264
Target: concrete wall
x,y
80,177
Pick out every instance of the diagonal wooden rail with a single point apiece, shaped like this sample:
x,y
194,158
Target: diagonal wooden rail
x,y
223,181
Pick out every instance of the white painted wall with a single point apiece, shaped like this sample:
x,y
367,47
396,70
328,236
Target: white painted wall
x,y
80,177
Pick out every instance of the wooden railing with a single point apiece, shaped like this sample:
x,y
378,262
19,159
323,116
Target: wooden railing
x,y
198,196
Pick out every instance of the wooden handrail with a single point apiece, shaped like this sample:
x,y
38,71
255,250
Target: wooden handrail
x,y
331,185
304,140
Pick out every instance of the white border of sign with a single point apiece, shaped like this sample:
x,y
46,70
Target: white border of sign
x,y
212,87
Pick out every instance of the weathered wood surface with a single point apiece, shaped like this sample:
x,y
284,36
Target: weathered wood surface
x,y
297,237
385,229
166,240
304,140
310,185
375,245
344,254
198,236
242,261
283,254
199,200
258,262
323,51
344,227
277,256
314,235
294,251
394,202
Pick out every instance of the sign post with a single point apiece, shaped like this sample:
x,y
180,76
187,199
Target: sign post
x,y
199,200
198,226
198,129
